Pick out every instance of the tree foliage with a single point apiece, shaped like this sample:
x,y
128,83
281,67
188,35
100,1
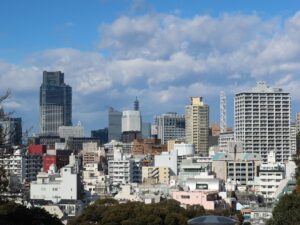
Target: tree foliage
x,y
110,212
3,181
15,214
287,211
6,148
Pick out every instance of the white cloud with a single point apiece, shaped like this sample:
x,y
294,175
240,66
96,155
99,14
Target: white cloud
x,y
11,105
164,59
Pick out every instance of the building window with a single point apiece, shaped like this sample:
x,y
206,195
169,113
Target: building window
x,y
202,186
185,196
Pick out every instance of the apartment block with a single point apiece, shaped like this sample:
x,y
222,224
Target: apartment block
x,y
262,118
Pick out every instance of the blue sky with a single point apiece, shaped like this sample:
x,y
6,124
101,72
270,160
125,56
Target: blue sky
x,y
161,51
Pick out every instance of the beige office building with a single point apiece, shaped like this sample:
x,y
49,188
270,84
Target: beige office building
x,y
157,175
197,125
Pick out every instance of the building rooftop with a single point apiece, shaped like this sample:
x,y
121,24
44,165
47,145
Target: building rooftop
x,y
212,220
262,87
238,157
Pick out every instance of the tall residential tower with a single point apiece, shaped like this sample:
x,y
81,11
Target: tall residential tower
x,y
55,103
262,121
197,125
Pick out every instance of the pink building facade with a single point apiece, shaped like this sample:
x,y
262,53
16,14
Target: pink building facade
x,y
209,200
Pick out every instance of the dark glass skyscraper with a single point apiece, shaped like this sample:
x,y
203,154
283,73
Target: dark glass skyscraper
x,y
12,129
55,103
114,124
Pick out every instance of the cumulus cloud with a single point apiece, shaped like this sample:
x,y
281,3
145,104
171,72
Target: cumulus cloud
x,y
164,59
19,78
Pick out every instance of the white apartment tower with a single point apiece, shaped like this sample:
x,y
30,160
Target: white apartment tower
x,y
170,126
293,139
262,119
197,125
298,122
131,121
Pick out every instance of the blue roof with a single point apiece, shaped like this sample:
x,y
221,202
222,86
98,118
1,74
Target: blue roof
x,y
212,220
218,155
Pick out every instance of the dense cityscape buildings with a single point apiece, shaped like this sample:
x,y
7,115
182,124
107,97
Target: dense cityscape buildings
x,y
183,157
140,112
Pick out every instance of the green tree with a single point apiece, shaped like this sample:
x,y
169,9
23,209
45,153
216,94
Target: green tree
x,y
110,212
5,149
3,182
15,214
287,211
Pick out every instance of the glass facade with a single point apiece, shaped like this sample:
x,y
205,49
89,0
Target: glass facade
x,y
114,124
55,103
12,130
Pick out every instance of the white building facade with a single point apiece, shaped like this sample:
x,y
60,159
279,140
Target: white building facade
x,y
271,176
120,168
15,164
262,121
54,186
293,139
71,131
92,178
22,165
183,152
167,159
224,140
131,121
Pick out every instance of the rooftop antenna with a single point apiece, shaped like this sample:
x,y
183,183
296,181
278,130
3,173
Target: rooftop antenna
x,y
223,119
136,104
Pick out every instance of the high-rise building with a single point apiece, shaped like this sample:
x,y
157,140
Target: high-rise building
x,y
197,125
146,130
114,124
131,121
131,126
12,130
262,121
55,103
298,122
223,113
170,126
293,139
71,131
101,134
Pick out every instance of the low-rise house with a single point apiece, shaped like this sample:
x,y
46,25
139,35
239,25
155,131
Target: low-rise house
x,y
210,200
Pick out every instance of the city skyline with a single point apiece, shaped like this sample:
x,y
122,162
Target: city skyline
x,y
109,66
